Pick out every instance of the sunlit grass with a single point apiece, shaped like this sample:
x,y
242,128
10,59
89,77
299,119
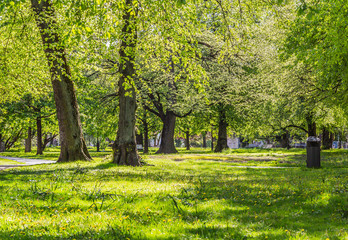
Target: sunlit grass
x,y
8,162
180,196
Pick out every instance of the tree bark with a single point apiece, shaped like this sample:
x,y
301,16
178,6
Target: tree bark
x,y
125,149
222,134
39,150
52,139
204,136
284,140
212,140
98,145
139,139
28,141
146,134
327,139
187,140
2,144
312,126
167,138
73,146
47,140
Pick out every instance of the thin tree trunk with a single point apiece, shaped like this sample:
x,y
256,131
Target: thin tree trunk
x,y
98,145
125,149
52,140
284,140
212,140
222,134
167,138
339,146
204,136
2,144
46,140
28,141
139,139
73,146
187,140
146,134
39,150
327,139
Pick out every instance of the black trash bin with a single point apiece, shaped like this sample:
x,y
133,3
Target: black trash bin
x,y
313,152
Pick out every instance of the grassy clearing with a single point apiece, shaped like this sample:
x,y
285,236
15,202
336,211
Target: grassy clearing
x,y
182,196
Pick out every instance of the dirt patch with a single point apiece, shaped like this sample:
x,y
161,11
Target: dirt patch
x,y
178,159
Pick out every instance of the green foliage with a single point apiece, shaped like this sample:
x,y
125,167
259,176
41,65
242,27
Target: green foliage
x,y
317,37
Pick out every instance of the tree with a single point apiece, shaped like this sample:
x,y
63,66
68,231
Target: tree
x,y
124,149
73,146
316,37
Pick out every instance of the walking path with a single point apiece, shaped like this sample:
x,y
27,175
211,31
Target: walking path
x,y
25,161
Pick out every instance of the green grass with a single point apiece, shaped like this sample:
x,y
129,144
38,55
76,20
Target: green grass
x,y
8,162
199,195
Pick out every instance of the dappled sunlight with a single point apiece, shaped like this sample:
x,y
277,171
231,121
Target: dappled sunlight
x,y
172,200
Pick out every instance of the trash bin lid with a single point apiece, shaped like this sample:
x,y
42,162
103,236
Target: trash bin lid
x,y
313,139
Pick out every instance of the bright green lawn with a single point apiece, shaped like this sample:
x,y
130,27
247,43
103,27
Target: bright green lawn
x,y
198,195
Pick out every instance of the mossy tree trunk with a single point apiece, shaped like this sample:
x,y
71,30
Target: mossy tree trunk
x,y
73,146
125,149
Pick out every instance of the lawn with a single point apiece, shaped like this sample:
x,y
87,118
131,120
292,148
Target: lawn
x,y
189,195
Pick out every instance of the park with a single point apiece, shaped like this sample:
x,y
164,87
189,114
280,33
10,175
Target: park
x,y
173,119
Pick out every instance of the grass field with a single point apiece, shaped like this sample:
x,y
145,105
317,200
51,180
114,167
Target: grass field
x,y
189,195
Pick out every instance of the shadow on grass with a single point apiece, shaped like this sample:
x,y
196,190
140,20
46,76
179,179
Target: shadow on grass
x,y
263,202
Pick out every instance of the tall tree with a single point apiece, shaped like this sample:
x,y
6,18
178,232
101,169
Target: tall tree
x,y
73,146
125,149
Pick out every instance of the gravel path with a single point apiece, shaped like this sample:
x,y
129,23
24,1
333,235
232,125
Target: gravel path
x,y
25,161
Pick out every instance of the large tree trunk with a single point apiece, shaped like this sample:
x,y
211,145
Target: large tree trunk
x,y
222,134
125,148
327,139
28,141
167,138
187,140
204,136
73,146
39,150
